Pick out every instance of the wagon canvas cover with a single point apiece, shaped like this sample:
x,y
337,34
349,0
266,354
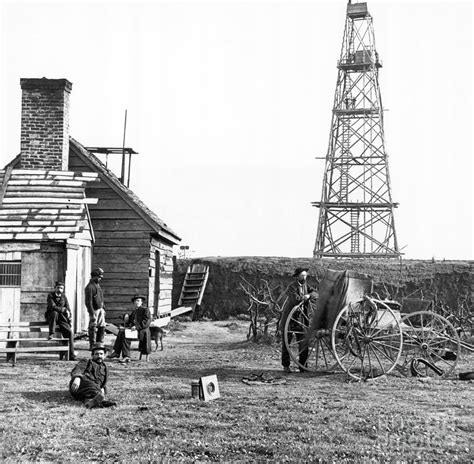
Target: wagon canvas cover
x,y
337,289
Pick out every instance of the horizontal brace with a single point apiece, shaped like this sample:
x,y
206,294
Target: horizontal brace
x,y
321,204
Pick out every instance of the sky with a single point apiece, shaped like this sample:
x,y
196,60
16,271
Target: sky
x,y
229,103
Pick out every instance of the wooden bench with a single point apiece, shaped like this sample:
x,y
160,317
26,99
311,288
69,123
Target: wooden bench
x,y
30,337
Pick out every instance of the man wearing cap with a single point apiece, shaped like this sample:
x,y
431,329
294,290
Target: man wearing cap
x,y
297,292
94,299
139,319
58,316
89,379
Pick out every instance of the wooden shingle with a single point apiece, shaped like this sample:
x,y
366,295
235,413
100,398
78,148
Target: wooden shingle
x,y
44,205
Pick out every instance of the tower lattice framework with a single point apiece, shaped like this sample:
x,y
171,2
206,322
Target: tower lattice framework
x,y
356,210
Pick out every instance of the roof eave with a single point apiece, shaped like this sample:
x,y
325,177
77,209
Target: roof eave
x,y
107,177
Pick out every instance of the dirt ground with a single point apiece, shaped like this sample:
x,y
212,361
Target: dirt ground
x,y
309,418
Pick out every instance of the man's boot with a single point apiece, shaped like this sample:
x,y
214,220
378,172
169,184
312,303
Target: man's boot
x,y
91,337
100,334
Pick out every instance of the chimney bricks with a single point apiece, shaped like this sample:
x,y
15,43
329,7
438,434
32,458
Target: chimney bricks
x,y
45,124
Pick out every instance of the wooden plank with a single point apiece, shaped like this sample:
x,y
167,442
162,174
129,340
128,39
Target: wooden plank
x,y
120,224
103,194
167,236
181,310
73,210
32,218
100,213
35,236
126,273
122,293
124,234
110,203
36,349
132,259
32,230
124,249
53,222
111,301
41,172
24,328
47,182
47,201
45,190
119,242
161,321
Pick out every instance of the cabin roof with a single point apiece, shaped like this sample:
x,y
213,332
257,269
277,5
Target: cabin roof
x,y
44,205
107,176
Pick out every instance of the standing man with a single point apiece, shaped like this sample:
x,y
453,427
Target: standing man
x,y
298,291
58,316
94,298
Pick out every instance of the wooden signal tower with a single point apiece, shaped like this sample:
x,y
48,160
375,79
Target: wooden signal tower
x,y
356,208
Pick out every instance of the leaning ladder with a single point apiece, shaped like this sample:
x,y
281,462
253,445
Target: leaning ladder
x,y
194,285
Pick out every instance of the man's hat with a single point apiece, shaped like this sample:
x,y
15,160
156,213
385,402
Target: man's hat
x,y
299,270
97,272
58,283
135,297
99,346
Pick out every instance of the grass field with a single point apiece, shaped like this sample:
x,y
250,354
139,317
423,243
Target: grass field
x,y
307,419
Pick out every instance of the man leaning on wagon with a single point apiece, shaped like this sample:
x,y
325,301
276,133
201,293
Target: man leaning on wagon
x,y
94,298
298,291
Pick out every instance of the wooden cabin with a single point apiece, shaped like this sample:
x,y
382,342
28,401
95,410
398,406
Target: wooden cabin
x,y
131,243
45,236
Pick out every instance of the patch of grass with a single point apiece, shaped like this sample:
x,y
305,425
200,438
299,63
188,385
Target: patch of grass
x,y
309,418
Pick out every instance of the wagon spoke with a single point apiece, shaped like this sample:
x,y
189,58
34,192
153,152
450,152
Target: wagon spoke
x,y
382,352
377,357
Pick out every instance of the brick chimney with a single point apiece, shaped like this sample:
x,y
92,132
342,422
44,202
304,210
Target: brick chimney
x,y
45,124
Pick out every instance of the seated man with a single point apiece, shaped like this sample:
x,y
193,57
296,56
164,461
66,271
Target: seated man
x,y
122,344
140,320
89,379
58,315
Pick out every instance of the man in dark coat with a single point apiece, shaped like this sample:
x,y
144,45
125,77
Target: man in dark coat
x,y
89,379
298,292
142,321
58,316
139,319
94,299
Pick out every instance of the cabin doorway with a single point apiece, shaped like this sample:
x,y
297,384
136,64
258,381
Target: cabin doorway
x,y
10,290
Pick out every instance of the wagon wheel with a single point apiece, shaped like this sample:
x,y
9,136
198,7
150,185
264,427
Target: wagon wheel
x,y
367,339
430,345
302,343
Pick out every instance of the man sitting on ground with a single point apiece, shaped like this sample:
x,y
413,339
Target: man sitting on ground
x,y
89,379
58,316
